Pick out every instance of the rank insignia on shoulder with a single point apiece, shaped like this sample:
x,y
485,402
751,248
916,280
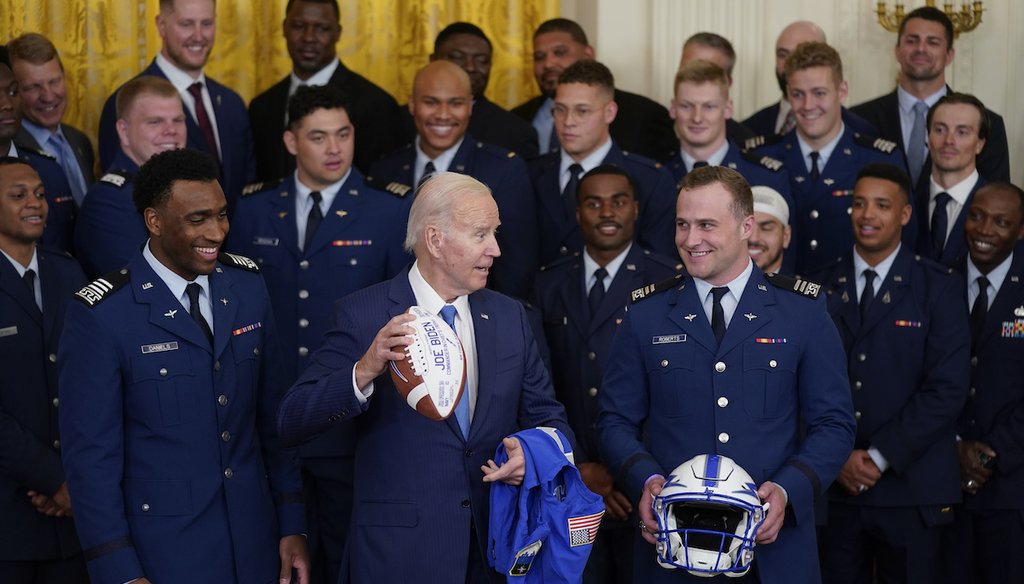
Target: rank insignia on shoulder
x,y
260,186
880,144
772,164
652,289
36,151
115,178
94,292
762,140
798,285
238,261
394,187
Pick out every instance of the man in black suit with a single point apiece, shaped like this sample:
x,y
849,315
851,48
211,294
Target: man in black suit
x,y
311,31
642,125
468,47
40,75
778,117
716,49
924,47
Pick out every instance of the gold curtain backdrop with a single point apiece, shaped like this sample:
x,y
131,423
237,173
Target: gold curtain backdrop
x,y
103,43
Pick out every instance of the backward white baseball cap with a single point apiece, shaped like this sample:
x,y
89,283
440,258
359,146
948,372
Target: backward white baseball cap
x,y
768,200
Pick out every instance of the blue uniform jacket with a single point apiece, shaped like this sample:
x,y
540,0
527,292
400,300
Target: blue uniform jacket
x,y
418,484
918,231
758,170
773,397
238,165
580,343
505,174
908,367
171,452
994,412
821,215
560,234
29,436
359,243
60,216
543,530
109,230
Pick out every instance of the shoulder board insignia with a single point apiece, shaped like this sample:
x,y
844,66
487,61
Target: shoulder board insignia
x,y
96,291
772,164
561,261
511,154
762,140
260,186
798,285
635,158
35,151
238,261
115,178
652,289
880,144
396,188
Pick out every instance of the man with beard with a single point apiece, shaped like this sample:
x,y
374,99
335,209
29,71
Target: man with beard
x,y
311,32
924,48
642,126
217,122
772,233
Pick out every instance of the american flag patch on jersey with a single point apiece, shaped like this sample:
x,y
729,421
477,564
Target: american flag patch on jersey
x,y
583,530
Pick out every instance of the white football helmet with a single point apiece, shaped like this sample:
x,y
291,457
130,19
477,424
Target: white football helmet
x,y
708,514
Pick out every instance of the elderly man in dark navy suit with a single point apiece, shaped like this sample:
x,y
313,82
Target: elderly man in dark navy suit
x,y
924,48
38,544
171,376
904,327
584,110
61,218
441,106
729,361
217,121
319,235
421,486
582,299
109,230
311,32
992,424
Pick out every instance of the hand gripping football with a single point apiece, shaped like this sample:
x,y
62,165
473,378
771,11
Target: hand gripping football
x,y
433,373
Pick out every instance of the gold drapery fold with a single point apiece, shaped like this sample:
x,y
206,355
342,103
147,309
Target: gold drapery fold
x,y
103,43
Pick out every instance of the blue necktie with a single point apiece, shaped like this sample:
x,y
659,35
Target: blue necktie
x,y
940,224
718,313
462,408
69,164
916,144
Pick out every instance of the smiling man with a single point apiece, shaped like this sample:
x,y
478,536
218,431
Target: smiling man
x,y
421,484
770,238
822,156
441,105
40,75
582,299
150,120
172,374
319,235
903,324
958,129
311,30
730,361
216,117
924,49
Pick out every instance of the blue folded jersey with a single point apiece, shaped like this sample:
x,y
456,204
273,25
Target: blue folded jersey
x,y
543,530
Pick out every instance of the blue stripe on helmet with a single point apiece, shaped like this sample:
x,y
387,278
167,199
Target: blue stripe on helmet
x,y
711,470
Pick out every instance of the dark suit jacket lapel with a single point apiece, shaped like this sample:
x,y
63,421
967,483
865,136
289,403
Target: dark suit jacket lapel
x,y
485,331
891,119
751,313
225,302
462,162
12,285
571,294
890,293
626,280
551,195
165,311
283,220
845,302
953,246
51,287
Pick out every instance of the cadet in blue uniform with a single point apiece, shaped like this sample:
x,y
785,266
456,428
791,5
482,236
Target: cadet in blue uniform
x,y
822,155
310,257
924,49
701,107
583,111
38,544
61,219
109,231
903,325
582,299
992,423
217,122
171,376
734,362
958,130
440,105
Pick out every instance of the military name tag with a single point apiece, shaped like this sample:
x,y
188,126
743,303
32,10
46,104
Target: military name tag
x,y
8,331
272,241
160,347
666,339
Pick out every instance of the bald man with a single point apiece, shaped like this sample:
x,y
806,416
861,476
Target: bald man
x,y
441,105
